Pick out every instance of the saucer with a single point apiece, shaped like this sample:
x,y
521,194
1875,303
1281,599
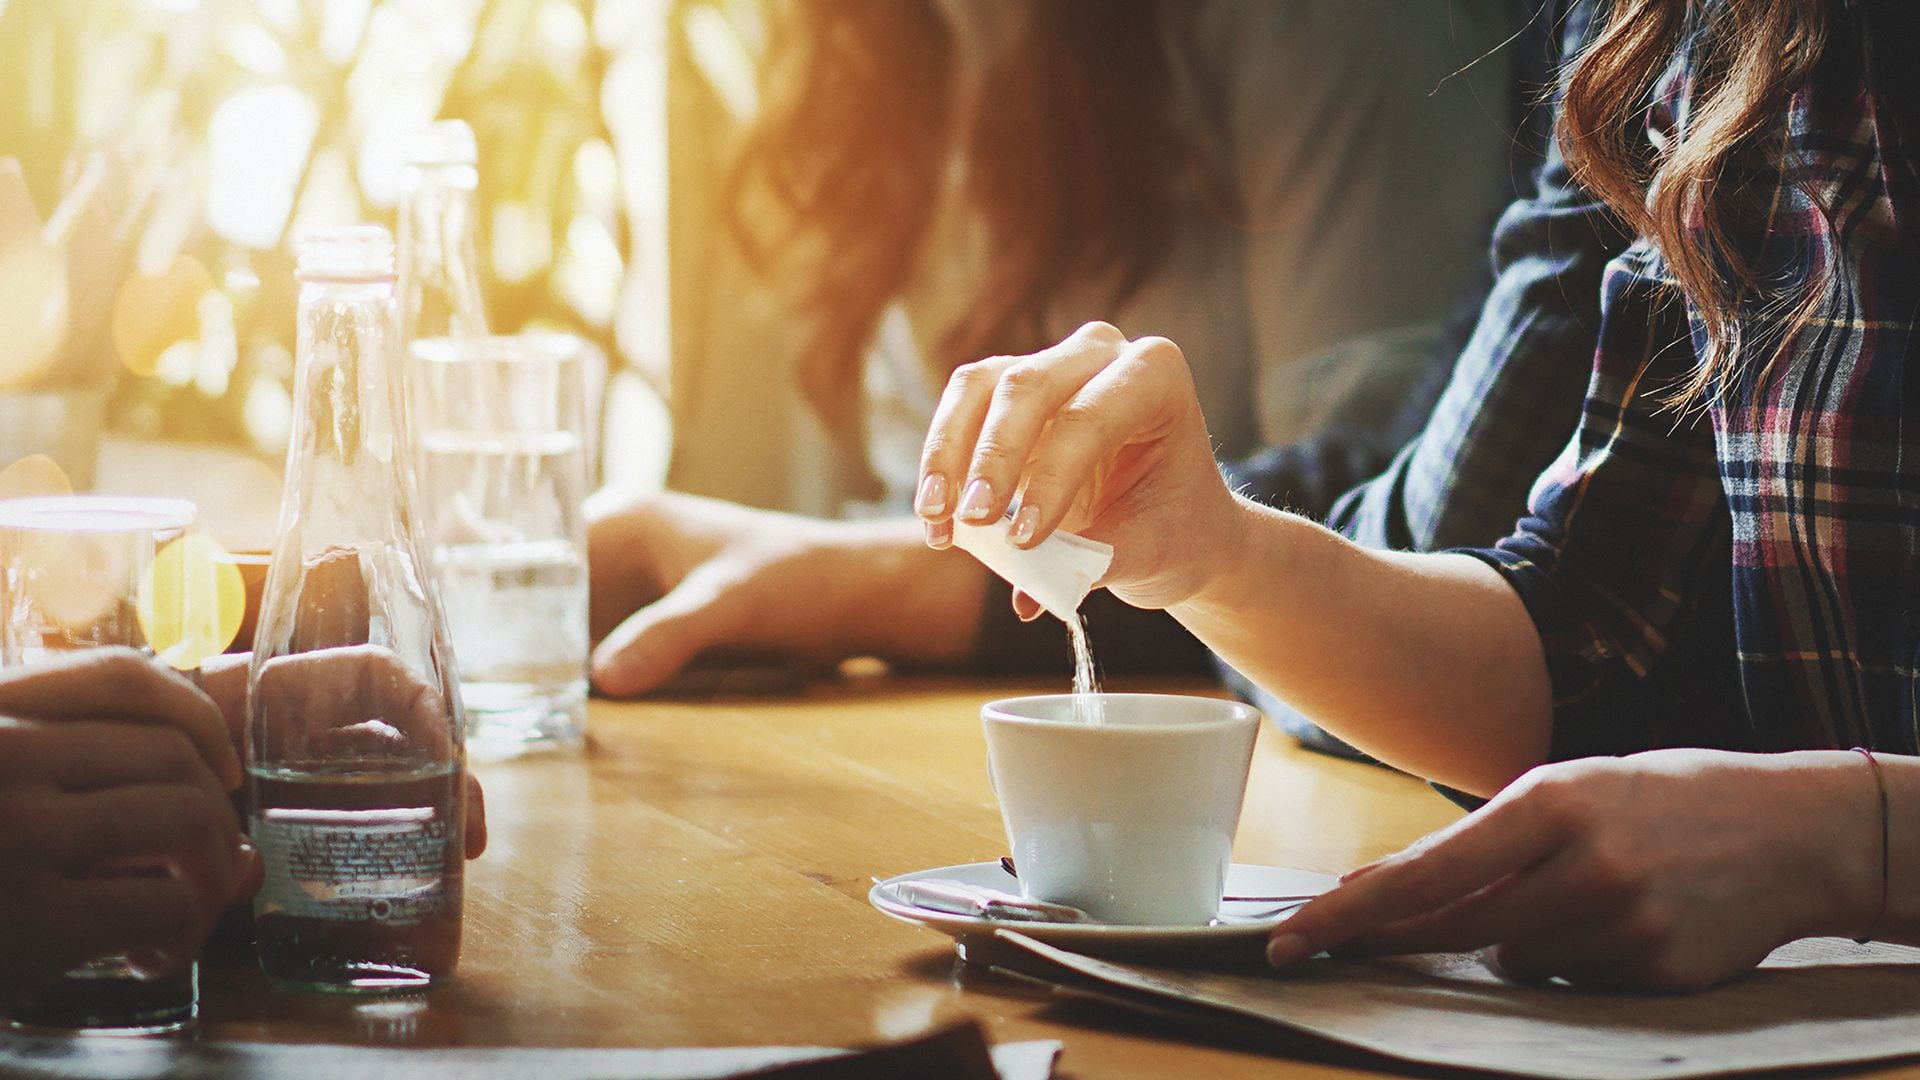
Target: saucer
x,y
1241,924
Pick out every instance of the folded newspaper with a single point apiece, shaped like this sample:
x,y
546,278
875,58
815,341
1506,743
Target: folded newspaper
x,y
1816,1003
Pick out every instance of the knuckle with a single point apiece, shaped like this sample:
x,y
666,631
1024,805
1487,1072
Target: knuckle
x,y
123,669
993,455
176,753
975,376
1045,481
1077,415
1161,355
1100,332
189,812
1649,931
1669,972
1027,378
1553,794
939,445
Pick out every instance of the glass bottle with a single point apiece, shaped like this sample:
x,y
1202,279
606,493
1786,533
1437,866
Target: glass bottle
x,y
356,761
439,267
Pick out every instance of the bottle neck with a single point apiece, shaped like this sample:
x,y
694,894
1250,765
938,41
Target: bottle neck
x,y
439,264
349,468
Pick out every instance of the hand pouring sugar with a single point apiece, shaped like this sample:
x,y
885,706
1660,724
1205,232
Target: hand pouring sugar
x,y
1058,573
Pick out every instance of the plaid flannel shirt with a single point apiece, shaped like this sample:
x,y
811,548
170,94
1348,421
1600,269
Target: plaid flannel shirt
x,y
1747,575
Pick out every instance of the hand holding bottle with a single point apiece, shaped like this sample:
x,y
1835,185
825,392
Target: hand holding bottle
x,y
1100,434
109,760
373,677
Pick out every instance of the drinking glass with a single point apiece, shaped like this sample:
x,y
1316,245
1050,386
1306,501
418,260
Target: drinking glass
x,y
74,572
503,473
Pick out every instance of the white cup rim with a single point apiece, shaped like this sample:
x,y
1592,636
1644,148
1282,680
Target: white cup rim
x,y
1232,714
90,513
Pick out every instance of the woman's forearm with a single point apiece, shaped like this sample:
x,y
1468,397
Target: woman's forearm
x,y
1428,662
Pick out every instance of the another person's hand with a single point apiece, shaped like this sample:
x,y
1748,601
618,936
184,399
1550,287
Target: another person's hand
x,y
1672,871
676,576
362,677
117,834
1098,434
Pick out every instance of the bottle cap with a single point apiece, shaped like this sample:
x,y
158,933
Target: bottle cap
x,y
352,253
444,142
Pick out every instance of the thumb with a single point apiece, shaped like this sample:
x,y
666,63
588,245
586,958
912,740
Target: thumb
x,y
656,642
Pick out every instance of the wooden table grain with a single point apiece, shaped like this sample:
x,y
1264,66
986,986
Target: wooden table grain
x,y
698,877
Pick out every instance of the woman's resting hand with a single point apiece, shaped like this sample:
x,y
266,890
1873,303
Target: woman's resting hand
x,y
117,831
675,576
1100,435
1671,871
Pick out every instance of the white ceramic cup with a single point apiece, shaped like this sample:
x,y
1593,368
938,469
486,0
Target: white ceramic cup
x,y
1130,820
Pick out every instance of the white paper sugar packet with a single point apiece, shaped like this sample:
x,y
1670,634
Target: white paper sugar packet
x,y
1058,572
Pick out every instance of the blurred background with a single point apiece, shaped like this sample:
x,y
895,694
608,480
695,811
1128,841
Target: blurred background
x,y
168,150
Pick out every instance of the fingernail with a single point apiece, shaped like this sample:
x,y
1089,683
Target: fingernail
x,y
932,500
1284,950
1025,524
977,504
939,535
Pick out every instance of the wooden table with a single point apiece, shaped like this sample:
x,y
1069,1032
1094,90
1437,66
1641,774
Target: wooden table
x,y
699,877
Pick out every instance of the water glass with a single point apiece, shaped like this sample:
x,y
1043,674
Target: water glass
x,y
502,425
73,570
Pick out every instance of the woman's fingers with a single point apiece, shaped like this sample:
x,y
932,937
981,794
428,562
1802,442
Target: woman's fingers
x,y
120,684
82,756
179,827
951,436
1529,902
84,918
224,679
476,837
1023,402
990,416
659,640
1504,837
1136,397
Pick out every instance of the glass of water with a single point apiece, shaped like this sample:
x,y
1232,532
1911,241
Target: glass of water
x,y
503,471
76,573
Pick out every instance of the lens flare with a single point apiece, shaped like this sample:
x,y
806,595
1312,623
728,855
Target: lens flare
x,y
34,476
191,602
155,311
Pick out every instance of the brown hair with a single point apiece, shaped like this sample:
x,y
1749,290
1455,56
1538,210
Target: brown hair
x,y
1748,58
1070,149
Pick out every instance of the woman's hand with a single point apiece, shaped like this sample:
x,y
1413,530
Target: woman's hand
x,y
367,678
1099,434
675,576
117,834
1671,871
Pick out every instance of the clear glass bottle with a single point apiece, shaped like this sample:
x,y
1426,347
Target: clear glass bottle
x,y
356,759
439,265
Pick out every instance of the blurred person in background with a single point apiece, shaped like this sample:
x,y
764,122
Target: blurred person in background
x,y
1305,186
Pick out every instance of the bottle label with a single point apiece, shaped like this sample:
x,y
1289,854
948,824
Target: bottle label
x,y
384,866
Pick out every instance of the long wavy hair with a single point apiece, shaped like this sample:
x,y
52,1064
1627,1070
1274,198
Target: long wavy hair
x,y
1748,58
1070,153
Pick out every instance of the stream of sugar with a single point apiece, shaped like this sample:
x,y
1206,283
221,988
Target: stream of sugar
x,y
1086,681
